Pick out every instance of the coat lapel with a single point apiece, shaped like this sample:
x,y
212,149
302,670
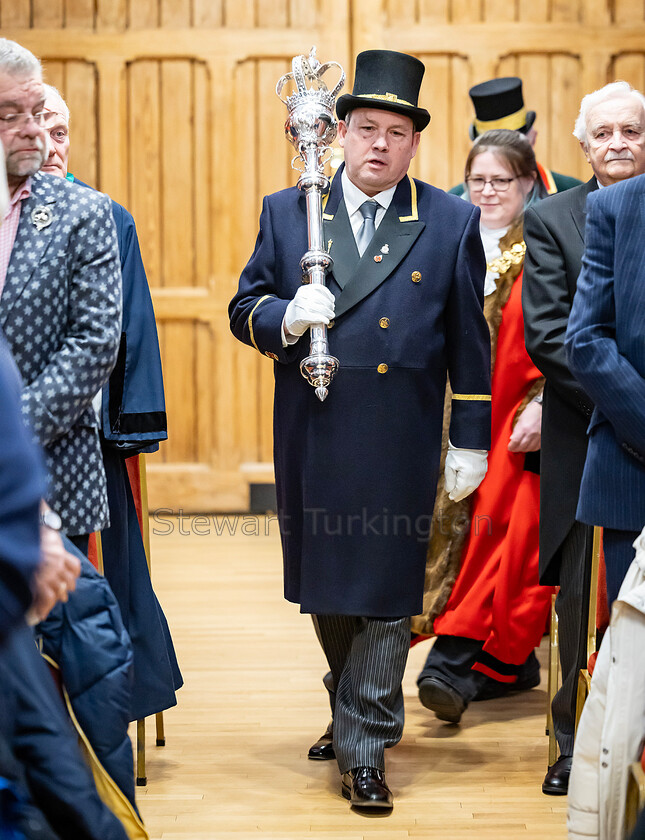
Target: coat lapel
x,y
579,208
394,237
30,244
341,245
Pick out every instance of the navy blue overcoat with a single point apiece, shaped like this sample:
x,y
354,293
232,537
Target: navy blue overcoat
x,y
606,349
356,475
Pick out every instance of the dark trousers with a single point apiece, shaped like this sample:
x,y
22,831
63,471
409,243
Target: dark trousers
x,y
619,553
451,659
367,659
82,542
572,607
639,829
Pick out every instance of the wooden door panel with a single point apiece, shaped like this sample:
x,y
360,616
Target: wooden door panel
x,y
174,113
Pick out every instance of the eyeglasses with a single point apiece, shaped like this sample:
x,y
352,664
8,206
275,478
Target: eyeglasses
x,y
12,123
498,184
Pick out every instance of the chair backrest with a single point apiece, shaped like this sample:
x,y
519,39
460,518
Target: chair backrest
x,y
593,592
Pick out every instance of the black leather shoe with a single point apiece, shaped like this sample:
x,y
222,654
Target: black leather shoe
x,y
556,781
323,749
442,699
528,676
365,787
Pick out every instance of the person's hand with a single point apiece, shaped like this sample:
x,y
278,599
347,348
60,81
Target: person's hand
x,y
464,471
527,434
55,576
313,304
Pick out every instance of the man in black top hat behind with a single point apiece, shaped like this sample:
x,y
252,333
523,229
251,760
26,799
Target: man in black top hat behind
x,y
356,474
499,103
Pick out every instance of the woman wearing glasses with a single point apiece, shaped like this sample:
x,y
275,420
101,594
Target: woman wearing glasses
x,y
483,600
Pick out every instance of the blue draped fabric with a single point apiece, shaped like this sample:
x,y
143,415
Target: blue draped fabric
x,y
133,420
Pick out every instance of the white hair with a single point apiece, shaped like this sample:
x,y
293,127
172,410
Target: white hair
x,y
50,90
17,60
610,91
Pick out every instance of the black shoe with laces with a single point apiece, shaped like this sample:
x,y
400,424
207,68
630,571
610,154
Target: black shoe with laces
x,y
365,787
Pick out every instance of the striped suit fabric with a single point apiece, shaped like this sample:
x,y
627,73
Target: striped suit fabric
x,y
606,350
367,658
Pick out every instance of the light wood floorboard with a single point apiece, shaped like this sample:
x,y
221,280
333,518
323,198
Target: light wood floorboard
x,y
235,763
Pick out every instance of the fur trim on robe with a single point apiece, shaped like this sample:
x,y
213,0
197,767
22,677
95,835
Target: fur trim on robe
x,y
451,520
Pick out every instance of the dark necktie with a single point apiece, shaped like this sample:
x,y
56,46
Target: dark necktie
x,y
367,229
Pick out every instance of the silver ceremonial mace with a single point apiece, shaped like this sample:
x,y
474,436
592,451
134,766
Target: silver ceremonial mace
x,y
311,127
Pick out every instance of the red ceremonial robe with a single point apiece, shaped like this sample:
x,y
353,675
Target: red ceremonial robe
x,y
496,597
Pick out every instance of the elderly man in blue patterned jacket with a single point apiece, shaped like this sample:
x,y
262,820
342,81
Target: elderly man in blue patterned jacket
x,y
60,304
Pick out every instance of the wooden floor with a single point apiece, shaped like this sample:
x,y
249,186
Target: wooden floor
x,y
235,762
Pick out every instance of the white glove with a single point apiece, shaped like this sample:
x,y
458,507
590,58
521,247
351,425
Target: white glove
x,y
464,471
312,304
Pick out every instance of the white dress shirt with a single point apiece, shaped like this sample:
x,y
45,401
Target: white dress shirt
x,y
354,198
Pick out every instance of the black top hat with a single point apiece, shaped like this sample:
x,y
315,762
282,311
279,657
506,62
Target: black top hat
x,y
387,80
499,104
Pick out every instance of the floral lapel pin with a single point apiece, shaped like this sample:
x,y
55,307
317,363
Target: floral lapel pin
x,y
384,250
41,217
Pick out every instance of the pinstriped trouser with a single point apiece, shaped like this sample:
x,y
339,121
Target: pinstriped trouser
x,y
367,659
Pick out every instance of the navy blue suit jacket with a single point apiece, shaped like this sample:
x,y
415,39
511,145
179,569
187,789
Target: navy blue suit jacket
x,y
356,475
606,349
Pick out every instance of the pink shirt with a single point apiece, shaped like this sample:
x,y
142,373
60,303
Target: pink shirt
x,y
9,228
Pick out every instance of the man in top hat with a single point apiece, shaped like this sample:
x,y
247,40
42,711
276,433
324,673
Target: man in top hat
x,y
499,103
356,474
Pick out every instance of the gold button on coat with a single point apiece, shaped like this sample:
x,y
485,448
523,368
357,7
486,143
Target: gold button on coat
x,y
382,368
416,276
384,323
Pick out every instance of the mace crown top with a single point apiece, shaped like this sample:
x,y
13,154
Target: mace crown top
x,y
307,69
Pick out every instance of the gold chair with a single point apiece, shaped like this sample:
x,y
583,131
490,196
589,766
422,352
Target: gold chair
x,y
635,800
553,680
584,677
142,779
99,553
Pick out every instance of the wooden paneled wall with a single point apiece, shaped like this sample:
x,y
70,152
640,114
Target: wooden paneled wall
x,y
174,114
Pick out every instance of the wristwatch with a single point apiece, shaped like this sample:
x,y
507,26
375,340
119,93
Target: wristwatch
x,y
50,519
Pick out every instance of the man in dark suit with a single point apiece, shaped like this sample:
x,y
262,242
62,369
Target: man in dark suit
x,y
61,299
611,131
606,352
356,475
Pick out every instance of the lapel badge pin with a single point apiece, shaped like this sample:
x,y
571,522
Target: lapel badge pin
x,y
329,244
41,217
385,249
378,258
